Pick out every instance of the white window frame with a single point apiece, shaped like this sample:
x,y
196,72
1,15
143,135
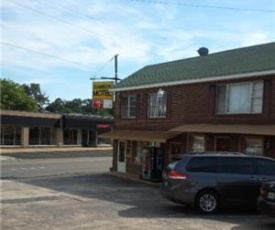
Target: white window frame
x,y
252,98
126,110
157,105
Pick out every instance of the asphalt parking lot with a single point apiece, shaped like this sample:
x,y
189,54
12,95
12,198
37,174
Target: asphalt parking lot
x,y
104,201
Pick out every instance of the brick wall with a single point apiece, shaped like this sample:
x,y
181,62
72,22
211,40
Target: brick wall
x,y
194,103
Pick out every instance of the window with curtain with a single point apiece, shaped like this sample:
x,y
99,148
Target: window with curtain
x,y
253,146
240,98
157,104
196,143
129,107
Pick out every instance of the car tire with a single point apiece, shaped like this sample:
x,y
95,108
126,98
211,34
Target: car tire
x,y
207,202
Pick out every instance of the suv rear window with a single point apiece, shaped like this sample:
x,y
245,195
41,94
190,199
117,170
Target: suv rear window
x,y
203,164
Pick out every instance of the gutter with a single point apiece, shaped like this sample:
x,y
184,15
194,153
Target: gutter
x,y
186,82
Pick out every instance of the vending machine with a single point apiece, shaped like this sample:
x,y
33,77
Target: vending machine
x,y
152,163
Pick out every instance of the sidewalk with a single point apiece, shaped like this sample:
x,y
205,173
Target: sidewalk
x,y
52,149
46,152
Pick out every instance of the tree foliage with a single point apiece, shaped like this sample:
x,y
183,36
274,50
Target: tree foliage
x,y
33,90
77,106
13,97
30,98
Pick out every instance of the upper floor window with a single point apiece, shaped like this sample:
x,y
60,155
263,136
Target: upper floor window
x,y
240,98
157,104
128,106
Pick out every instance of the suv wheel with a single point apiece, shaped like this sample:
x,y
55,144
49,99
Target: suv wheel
x,y
207,202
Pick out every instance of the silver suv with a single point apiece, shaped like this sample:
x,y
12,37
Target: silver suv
x,y
209,181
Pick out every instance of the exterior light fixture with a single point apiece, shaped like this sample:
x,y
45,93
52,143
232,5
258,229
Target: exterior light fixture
x,y
160,92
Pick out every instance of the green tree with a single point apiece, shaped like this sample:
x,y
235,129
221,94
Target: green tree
x,y
86,106
33,90
74,106
13,97
57,106
78,106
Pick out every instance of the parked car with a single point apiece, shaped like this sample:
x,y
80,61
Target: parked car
x,y
209,181
266,201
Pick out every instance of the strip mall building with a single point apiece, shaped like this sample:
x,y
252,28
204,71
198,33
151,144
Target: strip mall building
x,y
29,129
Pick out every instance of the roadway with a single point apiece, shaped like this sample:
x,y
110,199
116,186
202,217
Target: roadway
x,y
75,193
23,168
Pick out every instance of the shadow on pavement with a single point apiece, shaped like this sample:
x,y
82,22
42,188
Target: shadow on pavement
x,y
144,201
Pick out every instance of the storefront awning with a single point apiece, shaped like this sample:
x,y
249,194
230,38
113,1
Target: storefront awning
x,y
237,129
158,136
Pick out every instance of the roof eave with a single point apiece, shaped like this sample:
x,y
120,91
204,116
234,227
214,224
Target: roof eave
x,y
185,82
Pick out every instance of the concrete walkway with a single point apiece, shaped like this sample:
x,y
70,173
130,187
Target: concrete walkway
x,y
12,150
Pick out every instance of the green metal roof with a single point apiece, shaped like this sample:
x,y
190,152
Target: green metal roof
x,y
231,62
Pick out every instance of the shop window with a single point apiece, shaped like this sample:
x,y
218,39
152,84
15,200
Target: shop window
x,y
42,136
128,107
241,98
70,137
10,135
196,143
253,146
157,104
45,136
34,136
101,130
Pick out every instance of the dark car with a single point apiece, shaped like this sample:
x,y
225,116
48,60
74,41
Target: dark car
x,y
208,181
266,201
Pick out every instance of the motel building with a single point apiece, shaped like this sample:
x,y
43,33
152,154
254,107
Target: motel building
x,y
221,101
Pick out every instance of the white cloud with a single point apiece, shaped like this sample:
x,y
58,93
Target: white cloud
x,y
95,31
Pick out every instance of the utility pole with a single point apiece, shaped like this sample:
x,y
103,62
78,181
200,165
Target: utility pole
x,y
115,77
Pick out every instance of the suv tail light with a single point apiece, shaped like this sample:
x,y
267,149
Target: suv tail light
x,y
176,175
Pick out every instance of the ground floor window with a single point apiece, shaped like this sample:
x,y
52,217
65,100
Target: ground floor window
x,y
137,152
70,136
253,145
10,135
196,143
88,137
42,136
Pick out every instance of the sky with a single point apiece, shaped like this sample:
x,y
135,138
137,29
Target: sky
x,y
61,45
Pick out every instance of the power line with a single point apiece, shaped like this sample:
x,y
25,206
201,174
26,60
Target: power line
x,y
102,67
63,8
202,6
53,17
44,54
